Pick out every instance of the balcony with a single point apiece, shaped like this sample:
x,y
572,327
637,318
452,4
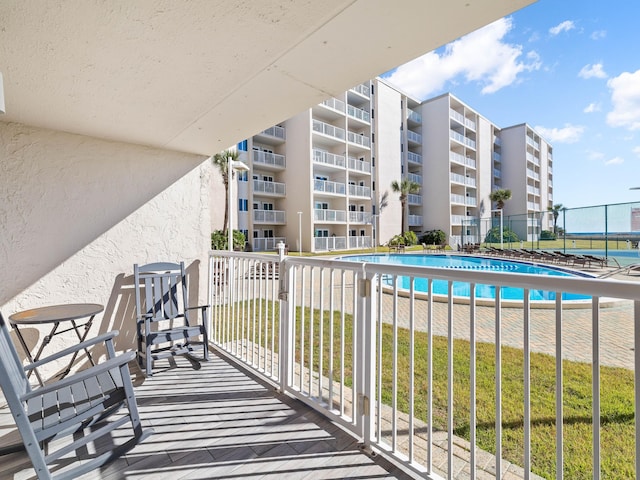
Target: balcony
x,y
329,216
415,220
267,244
414,137
465,220
325,186
533,174
359,241
269,188
362,89
462,139
462,160
360,217
462,120
414,199
459,199
329,130
413,116
358,165
328,244
326,158
497,173
334,104
533,143
359,139
359,191
268,159
414,158
414,177
358,114
273,217
274,132
316,299
496,157
533,190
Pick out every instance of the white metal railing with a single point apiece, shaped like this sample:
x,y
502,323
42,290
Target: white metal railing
x,y
359,165
267,244
331,333
359,191
325,215
361,241
274,131
275,188
533,143
457,116
533,206
414,199
497,157
471,201
270,216
533,174
414,157
329,130
458,137
327,186
414,177
267,158
414,137
320,156
470,181
456,158
457,178
362,90
497,140
334,103
358,113
455,198
414,220
329,243
414,116
359,139
497,173
463,220
533,190
360,217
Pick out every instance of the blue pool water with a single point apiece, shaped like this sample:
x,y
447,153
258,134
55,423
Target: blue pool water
x,y
462,289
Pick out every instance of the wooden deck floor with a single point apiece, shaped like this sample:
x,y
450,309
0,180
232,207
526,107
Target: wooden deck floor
x,y
220,422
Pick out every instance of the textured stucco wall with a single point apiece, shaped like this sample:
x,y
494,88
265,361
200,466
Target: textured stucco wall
x,y
77,212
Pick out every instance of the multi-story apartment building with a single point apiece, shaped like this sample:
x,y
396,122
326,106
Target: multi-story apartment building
x,y
321,180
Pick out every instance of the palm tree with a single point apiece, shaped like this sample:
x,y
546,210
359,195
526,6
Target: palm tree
x,y
221,160
500,196
555,211
404,188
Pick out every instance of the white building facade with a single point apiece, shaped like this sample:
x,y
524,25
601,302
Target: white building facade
x,y
321,181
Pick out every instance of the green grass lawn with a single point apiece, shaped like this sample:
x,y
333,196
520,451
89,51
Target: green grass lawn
x,y
617,394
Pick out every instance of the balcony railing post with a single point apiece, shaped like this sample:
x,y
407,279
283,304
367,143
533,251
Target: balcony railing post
x,y
285,333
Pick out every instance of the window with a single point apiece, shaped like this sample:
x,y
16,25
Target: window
x,y
242,146
243,176
322,233
256,234
267,206
322,206
352,208
245,233
267,178
362,233
268,233
352,233
243,205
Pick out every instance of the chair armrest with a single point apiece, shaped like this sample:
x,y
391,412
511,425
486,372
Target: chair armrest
x,y
70,350
198,307
91,372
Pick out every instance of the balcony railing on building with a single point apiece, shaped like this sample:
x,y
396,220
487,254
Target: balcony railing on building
x,y
320,156
359,114
533,174
497,141
329,130
270,159
360,217
533,143
414,116
270,188
275,131
266,244
497,173
414,177
335,104
326,186
533,190
414,199
466,220
496,157
359,165
467,122
363,90
329,243
533,159
533,206
329,216
359,191
414,137
359,241
458,137
275,217
359,139
415,220
414,158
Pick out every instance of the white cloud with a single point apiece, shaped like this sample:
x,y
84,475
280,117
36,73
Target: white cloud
x,y
592,107
481,56
598,34
567,134
562,27
636,150
625,97
593,155
614,161
592,71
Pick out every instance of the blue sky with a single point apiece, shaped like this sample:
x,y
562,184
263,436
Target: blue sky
x,y
571,70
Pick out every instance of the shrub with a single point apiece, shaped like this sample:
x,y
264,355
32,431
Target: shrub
x,y
219,240
396,240
547,235
410,238
434,237
493,236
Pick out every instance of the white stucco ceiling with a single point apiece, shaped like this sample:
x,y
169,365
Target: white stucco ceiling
x,y
200,75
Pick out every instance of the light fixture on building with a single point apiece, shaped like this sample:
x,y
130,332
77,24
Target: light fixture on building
x,y
231,166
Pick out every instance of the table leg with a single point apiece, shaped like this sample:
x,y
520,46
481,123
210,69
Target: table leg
x,y
45,342
82,337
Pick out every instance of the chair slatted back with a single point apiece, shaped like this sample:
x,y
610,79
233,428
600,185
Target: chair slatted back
x,y
13,380
165,290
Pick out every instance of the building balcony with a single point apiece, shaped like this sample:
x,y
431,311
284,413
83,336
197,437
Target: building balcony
x,y
325,186
267,159
328,244
358,165
328,130
271,217
261,187
359,139
359,242
414,199
275,134
267,244
334,104
414,117
414,177
533,190
360,217
329,216
359,191
497,173
533,143
465,220
458,137
329,159
414,137
358,114
462,120
459,199
532,174
414,158
415,220
497,141
362,90
496,157
240,407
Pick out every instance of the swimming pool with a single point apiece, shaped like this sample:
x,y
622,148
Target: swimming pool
x,y
462,289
